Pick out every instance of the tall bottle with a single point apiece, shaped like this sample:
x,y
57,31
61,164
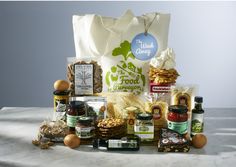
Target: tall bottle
x,y
197,122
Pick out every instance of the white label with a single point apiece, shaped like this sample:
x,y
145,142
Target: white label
x,y
114,144
83,79
144,132
84,133
197,123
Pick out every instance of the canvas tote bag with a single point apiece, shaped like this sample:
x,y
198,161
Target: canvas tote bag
x,y
124,46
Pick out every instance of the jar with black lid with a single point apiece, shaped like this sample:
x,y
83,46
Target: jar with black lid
x,y
76,109
177,118
85,128
61,100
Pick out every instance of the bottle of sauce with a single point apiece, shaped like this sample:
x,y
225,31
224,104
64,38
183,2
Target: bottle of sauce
x,y
76,109
197,121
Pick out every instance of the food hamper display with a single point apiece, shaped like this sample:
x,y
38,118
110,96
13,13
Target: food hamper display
x,y
121,91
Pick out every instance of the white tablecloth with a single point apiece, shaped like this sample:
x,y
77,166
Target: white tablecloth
x,y
18,126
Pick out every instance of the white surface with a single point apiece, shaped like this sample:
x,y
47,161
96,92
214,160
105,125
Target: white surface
x,y
19,126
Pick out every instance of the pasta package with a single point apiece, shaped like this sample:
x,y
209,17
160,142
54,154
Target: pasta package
x,y
159,110
183,95
119,101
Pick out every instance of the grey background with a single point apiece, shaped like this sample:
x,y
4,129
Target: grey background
x,y
37,37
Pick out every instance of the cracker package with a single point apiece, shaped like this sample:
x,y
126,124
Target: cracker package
x,y
125,45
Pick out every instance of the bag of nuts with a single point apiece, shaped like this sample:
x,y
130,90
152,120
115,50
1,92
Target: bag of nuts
x,y
84,75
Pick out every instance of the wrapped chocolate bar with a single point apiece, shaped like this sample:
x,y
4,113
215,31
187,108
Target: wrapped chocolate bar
x,y
171,141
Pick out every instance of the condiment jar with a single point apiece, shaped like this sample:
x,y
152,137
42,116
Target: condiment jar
x,y
61,100
76,109
144,127
177,118
84,128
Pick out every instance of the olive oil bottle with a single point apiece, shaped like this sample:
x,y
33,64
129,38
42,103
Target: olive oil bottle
x,y
128,143
197,122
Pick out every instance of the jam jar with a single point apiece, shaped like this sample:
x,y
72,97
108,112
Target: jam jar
x,y
177,118
85,128
144,127
76,109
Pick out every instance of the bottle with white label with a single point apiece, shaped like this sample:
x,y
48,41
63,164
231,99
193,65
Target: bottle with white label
x,y
128,143
197,122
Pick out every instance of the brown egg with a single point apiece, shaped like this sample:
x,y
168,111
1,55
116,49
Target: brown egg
x,y
72,141
199,141
61,85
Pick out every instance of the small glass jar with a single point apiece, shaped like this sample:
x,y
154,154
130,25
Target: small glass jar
x,y
76,109
177,118
61,100
144,127
84,128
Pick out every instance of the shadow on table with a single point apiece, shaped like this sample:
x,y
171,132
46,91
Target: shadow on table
x,y
15,164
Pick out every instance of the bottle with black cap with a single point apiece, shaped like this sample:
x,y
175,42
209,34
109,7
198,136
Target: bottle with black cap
x,y
197,122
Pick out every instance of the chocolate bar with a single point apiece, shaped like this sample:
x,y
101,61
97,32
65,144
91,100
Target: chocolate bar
x,y
171,141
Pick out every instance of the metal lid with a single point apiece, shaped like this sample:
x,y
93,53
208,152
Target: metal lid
x,y
144,116
178,109
85,120
77,104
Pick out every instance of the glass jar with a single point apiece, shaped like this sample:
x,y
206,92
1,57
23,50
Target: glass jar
x,y
84,128
76,109
61,100
144,127
177,118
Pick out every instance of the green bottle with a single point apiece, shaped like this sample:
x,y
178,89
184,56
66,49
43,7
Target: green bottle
x,y
197,122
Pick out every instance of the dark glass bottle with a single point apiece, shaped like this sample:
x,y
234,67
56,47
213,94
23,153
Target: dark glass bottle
x,y
76,110
128,143
197,122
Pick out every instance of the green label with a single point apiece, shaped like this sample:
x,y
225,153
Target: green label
x,y
180,127
125,76
197,123
72,120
